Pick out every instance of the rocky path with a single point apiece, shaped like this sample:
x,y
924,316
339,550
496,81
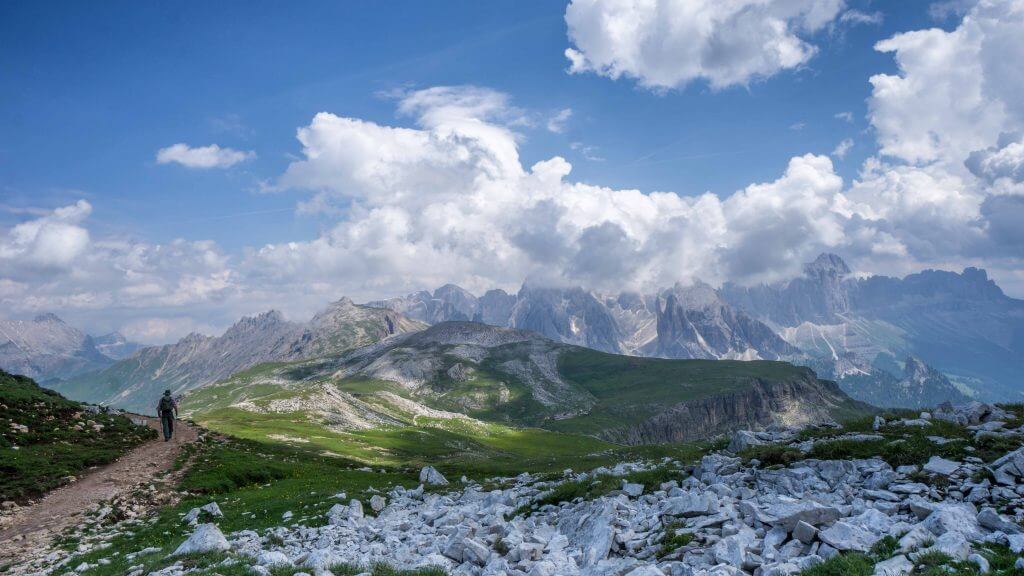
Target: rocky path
x,y
33,527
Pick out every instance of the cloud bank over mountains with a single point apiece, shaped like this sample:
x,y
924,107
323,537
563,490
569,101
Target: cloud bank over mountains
x,y
445,197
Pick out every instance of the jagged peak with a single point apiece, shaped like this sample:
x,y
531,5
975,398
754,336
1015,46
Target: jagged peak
x,y
48,317
343,302
697,295
827,263
452,288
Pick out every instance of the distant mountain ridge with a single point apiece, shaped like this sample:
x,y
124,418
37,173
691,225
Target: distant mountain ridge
x,y
47,348
136,382
959,323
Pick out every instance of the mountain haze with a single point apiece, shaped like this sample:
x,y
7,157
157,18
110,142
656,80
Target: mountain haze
x,y
136,382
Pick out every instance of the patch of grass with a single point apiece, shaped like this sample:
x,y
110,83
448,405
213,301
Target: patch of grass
x,y
772,455
62,438
591,488
673,540
885,548
843,565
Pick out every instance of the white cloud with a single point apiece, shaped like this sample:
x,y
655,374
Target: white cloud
x,y
202,157
669,43
842,148
956,91
844,116
558,122
53,240
860,17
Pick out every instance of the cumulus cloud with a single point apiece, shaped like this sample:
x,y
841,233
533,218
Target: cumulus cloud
x,y
1005,160
53,240
669,43
443,196
955,91
202,157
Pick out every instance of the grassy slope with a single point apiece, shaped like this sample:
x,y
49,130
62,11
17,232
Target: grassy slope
x,y
510,438
34,462
630,389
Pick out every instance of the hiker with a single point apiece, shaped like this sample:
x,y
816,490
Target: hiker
x,y
167,409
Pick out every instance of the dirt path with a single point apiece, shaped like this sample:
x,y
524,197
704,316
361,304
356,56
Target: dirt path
x,y
33,527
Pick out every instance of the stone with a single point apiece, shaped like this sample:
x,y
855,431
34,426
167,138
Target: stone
x,y
645,571
632,490
211,509
788,514
939,465
430,476
1016,543
732,550
981,562
960,518
847,537
804,532
878,423
378,502
205,538
273,559
692,504
475,552
895,566
742,440
992,520
952,544
321,559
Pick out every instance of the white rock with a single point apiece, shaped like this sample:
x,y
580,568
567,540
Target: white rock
x,y
430,475
273,559
981,561
632,490
846,536
378,502
960,518
804,532
692,504
952,544
205,538
939,465
895,566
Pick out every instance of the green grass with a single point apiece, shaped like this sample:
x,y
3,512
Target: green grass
x,y
254,484
772,455
34,462
674,539
591,488
627,388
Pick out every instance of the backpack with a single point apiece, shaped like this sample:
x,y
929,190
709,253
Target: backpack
x,y
166,404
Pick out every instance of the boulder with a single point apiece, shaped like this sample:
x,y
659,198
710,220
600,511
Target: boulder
x,y
959,518
429,475
788,514
742,440
205,538
846,536
691,504
378,502
273,559
941,466
805,532
211,509
895,566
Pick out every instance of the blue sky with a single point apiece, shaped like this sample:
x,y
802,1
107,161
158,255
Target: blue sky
x,y
90,93
93,90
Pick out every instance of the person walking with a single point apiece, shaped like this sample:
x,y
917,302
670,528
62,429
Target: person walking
x,y
167,409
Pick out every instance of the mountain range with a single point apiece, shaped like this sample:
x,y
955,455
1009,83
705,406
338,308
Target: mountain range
x,y
841,325
47,348
874,335
137,381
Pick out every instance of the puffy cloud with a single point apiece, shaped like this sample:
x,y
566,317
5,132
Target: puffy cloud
x,y
202,157
956,91
54,240
669,43
1005,160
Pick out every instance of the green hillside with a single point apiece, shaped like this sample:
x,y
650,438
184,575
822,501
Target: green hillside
x,y
45,438
495,398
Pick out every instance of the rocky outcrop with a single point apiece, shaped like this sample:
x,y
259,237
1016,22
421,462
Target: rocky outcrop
x,y
796,402
693,322
921,386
